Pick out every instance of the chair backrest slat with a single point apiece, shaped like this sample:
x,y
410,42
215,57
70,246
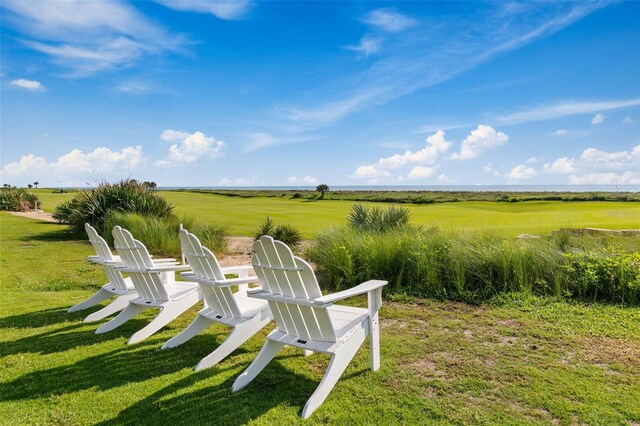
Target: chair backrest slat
x,y
99,244
205,265
148,285
282,273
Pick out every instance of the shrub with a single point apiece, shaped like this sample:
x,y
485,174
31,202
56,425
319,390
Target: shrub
x,y
95,205
288,234
605,274
160,235
377,219
16,199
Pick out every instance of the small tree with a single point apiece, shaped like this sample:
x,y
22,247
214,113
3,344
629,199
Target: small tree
x,y
322,188
29,186
151,185
36,183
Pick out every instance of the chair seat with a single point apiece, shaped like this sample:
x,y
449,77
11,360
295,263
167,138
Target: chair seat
x,y
248,307
111,288
179,289
345,319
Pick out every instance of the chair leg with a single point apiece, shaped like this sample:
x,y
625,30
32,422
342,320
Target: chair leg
x,y
339,362
267,353
100,296
237,337
198,324
166,315
119,304
124,316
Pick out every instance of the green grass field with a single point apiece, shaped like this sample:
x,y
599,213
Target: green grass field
x,y
243,215
517,360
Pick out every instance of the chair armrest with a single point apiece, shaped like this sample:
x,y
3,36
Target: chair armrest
x,y
236,269
165,260
190,276
98,260
159,268
363,288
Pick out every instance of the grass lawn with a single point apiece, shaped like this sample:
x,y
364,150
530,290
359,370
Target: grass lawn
x,y
517,360
243,215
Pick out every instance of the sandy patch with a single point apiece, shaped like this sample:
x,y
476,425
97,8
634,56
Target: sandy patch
x,y
33,215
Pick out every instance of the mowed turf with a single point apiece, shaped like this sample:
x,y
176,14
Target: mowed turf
x,y
518,360
243,215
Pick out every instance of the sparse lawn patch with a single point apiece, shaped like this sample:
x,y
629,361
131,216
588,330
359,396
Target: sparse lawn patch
x,y
514,360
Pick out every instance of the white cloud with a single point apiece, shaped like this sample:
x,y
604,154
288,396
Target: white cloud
x,y
521,172
445,179
531,160
309,180
77,166
560,132
223,9
628,120
562,165
88,36
421,172
367,46
597,119
488,168
387,19
23,83
595,166
480,140
191,148
241,181
173,135
436,145
564,109
608,178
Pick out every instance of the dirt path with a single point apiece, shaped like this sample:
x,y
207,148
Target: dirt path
x,y
32,215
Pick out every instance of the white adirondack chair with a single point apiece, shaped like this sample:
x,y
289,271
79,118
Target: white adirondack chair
x,y
246,316
155,284
117,285
305,319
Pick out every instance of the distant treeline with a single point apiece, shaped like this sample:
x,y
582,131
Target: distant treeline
x,y
427,197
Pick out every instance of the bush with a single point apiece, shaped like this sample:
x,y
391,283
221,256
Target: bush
x,y
16,199
605,274
288,234
377,219
160,235
95,205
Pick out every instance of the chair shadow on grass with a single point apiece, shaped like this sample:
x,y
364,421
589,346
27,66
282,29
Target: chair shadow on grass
x,y
275,385
125,364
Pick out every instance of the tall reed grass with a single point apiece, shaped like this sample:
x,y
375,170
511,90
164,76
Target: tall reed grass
x,y
160,236
469,266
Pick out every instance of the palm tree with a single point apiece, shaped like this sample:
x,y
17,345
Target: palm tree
x,y
322,188
36,183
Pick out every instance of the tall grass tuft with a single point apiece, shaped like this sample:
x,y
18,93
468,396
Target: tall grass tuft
x,y
95,205
160,235
378,219
473,266
288,234
16,199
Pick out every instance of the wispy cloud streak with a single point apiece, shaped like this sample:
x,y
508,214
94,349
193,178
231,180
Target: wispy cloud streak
x,y
430,54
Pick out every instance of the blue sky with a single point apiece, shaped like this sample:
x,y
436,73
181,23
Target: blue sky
x,y
209,93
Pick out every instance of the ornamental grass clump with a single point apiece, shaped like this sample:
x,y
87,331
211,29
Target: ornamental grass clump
x,y
160,235
290,235
377,219
93,206
16,199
